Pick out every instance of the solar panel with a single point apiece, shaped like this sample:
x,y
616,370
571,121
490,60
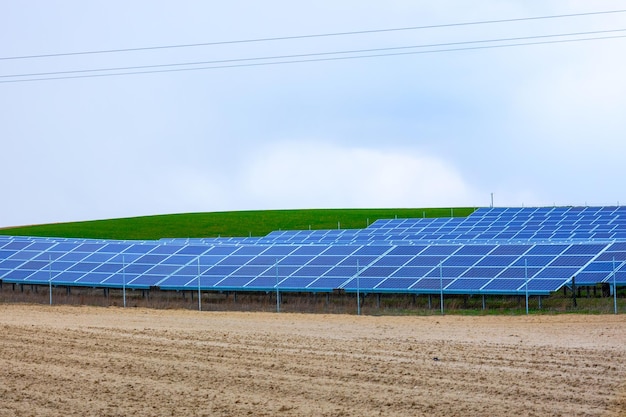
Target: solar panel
x,y
392,256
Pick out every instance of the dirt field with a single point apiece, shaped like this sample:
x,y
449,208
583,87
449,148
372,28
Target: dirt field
x,y
67,360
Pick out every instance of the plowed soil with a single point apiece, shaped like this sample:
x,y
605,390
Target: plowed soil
x,y
68,360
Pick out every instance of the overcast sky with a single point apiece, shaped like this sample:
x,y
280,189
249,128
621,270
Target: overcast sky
x,y
535,125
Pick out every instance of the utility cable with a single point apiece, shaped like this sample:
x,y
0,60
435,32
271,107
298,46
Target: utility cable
x,y
283,38
314,60
281,57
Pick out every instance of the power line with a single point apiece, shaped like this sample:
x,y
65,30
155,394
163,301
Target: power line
x,y
282,38
282,57
314,60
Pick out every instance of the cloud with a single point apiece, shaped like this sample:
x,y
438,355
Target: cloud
x,y
310,174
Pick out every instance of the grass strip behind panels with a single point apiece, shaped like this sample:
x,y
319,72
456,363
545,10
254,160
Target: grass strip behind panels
x,y
227,224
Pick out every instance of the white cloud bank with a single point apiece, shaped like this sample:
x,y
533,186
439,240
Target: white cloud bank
x,y
309,174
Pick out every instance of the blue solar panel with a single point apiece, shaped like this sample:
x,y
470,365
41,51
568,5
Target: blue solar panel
x,y
139,249
475,250
423,260
431,284
93,278
440,250
467,284
447,272
296,260
221,270
251,250
279,250
390,260
514,272
327,283
544,285
341,271
406,250
556,273
497,260
455,260
109,267
166,249
326,260
534,261
358,260
83,266
482,272
378,271
234,281
236,260
546,250
396,283
177,281
16,245
40,246
412,271
151,259
68,277
566,260
504,285
214,250
309,250
340,250
291,282
175,262
89,247
510,250
372,250
183,260
610,256
312,271
249,270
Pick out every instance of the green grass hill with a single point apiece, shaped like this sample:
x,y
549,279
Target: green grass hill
x,y
227,224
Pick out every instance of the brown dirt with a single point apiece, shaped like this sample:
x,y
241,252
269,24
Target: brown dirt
x,y
68,360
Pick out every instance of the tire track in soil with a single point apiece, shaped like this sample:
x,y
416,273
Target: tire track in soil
x,y
76,361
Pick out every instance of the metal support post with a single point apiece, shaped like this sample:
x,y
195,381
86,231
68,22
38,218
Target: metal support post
x,y
441,284
358,293
124,280
526,278
50,276
199,293
614,288
277,292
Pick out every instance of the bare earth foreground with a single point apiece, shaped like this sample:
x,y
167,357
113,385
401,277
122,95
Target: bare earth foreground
x,y
65,360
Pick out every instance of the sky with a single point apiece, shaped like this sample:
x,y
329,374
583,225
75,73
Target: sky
x,y
530,125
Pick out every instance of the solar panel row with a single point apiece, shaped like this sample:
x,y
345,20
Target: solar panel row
x,y
489,225
459,268
390,259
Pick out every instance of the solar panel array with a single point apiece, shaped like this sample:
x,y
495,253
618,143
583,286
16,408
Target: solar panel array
x,y
497,225
492,251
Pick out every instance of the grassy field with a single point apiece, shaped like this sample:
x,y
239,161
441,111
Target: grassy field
x,y
226,224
